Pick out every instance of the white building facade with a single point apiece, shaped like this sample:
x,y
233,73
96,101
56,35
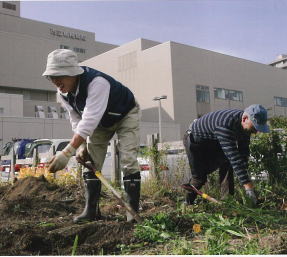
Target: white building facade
x,y
25,96
195,81
25,45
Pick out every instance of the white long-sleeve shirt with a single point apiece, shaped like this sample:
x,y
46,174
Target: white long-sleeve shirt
x,y
96,104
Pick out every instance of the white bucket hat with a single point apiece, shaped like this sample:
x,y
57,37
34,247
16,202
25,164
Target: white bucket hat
x,y
62,62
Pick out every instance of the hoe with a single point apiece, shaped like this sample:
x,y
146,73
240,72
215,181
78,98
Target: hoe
x,y
192,188
90,166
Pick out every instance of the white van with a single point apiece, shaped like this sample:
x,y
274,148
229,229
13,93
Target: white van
x,y
44,149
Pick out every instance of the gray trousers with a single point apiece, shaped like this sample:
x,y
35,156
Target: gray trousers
x,y
127,131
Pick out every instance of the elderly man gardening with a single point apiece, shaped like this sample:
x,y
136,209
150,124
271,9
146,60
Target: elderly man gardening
x,y
99,107
221,140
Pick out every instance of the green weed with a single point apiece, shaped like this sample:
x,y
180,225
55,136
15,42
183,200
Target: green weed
x,y
217,244
46,224
75,245
179,246
157,229
251,247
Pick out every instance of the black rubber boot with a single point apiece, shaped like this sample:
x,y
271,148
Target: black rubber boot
x,y
190,198
132,185
92,196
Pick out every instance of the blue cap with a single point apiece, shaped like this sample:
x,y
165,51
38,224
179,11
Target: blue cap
x,y
258,116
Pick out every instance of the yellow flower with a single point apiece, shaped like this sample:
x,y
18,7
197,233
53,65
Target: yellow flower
x,y
196,228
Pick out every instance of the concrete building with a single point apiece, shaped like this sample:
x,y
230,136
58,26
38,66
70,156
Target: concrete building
x,y
195,80
25,45
28,104
24,94
280,62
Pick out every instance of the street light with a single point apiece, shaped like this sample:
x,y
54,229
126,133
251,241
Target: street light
x,y
159,98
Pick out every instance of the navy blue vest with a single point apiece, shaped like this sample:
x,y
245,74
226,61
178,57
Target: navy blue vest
x,y
121,99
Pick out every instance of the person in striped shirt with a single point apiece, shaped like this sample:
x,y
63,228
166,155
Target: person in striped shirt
x,y
220,140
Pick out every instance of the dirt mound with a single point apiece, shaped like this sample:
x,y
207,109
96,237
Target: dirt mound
x,y
32,187
37,219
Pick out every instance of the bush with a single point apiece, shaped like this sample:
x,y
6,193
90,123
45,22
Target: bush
x,y
268,151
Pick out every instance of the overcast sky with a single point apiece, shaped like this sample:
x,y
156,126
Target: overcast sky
x,y
249,29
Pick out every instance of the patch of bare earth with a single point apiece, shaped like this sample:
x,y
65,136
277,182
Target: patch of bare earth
x,y
37,219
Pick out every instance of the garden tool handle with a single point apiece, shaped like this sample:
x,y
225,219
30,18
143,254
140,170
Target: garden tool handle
x,y
203,195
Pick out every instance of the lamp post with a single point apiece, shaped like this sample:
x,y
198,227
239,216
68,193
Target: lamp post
x,y
159,98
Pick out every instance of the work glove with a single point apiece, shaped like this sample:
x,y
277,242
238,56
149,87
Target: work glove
x,y
251,195
61,159
82,153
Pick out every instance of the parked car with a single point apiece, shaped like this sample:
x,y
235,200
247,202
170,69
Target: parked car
x,y
18,149
44,149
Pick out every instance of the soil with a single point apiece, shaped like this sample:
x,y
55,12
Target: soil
x,y
37,219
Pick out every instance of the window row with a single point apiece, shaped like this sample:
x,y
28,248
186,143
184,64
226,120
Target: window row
x,y
9,6
52,112
75,49
280,101
203,95
37,95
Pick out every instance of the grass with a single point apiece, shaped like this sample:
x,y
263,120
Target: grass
x,y
75,245
47,224
219,230
234,227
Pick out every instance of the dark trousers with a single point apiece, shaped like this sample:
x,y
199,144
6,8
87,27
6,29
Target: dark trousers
x,y
206,156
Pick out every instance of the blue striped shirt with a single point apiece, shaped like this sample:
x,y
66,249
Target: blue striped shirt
x,y
225,126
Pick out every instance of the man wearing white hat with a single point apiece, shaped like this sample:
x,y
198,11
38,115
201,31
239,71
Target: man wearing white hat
x,y
99,107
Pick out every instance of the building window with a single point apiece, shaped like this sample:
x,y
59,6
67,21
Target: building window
x,y
52,112
79,50
9,6
1,110
64,47
38,95
39,111
202,94
280,101
228,94
63,113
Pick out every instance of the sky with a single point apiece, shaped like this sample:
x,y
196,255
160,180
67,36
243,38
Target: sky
x,y
250,29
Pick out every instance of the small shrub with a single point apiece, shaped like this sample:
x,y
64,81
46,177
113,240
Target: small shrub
x,y
157,229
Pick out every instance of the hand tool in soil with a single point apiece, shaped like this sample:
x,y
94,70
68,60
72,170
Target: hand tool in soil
x,y
89,166
192,188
